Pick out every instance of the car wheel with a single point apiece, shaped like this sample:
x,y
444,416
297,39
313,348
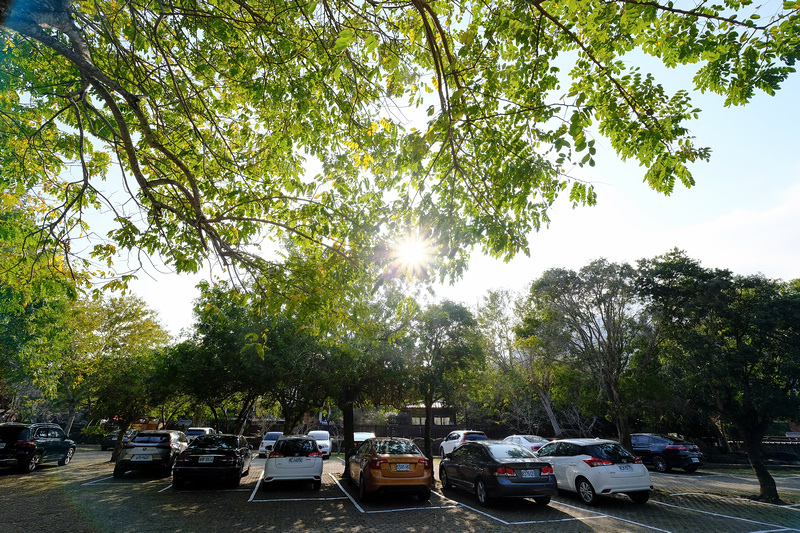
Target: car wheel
x,y
690,469
660,464
544,500
67,457
31,464
424,495
586,491
363,495
317,485
480,493
444,479
639,497
119,472
177,483
103,449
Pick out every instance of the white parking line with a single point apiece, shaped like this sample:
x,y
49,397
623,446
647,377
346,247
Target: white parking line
x,y
776,526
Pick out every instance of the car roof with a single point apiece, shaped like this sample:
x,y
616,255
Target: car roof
x,y
303,437
586,442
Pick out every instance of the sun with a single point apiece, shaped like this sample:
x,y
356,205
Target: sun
x,y
412,255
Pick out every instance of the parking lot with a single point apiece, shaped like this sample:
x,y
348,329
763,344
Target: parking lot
x,y
84,496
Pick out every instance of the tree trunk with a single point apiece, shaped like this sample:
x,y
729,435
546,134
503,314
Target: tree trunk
x,y
348,421
547,403
428,423
752,443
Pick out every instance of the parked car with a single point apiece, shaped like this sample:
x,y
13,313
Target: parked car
x,y
294,458
323,439
267,442
390,464
665,452
496,469
151,450
532,442
220,457
361,436
26,446
458,437
110,440
192,433
592,467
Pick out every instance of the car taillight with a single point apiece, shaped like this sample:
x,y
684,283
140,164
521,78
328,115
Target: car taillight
x,y
273,455
426,463
227,460
675,447
375,464
547,470
504,471
164,445
183,459
128,445
26,445
637,461
593,461
314,454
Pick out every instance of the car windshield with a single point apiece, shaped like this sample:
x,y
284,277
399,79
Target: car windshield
x,y
150,438
226,442
297,447
610,451
535,438
510,451
475,436
396,447
13,434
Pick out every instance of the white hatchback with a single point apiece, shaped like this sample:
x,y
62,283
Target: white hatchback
x,y
323,439
593,467
294,458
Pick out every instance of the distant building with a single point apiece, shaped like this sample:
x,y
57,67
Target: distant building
x,y
443,415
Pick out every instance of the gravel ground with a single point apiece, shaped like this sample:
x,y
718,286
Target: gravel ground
x,y
84,497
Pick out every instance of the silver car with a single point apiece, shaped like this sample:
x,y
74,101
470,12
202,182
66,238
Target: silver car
x,y
154,450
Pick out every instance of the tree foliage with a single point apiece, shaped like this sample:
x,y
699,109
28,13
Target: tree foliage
x,y
217,124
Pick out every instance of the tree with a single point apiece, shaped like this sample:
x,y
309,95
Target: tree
x,y
447,351
593,319
738,340
213,114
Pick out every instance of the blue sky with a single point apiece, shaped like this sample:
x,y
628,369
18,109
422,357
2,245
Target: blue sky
x,y
743,214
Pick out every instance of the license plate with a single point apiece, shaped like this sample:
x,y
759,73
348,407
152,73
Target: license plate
x,y
625,468
528,473
295,459
205,459
695,460
141,458
403,467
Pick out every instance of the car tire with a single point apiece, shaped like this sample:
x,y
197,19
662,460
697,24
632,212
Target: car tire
x,y
119,472
31,464
317,485
660,464
639,497
363,495
67,457
586,491
690,469
444,479
543,501
103,448
177,483
481,494
424,495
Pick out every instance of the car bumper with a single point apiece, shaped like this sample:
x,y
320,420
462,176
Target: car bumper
x,y
156,462
192,472
506,488
680,461
414,484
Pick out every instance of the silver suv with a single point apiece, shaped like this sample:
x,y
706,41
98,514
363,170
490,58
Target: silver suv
x,y
457,437
151,450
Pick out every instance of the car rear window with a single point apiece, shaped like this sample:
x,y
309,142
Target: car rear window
x,y
510,451
396,447
150,438
14,434
272,435
196,432
319,435
296,447
216,441
610,451
475,436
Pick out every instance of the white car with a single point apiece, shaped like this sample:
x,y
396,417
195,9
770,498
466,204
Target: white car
x,y
192,433
267,442
294,458
323,439
593,467
457,437
532,442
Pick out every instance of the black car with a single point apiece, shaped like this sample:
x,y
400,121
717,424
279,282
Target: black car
x,y
25,446
665,452
494,469
225,457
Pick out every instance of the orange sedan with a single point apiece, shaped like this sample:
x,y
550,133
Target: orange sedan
x,y
390,464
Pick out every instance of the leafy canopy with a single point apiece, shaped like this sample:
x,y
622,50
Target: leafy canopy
x,y
206,128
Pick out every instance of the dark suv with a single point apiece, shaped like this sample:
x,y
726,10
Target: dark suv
x,y
25,446
665,452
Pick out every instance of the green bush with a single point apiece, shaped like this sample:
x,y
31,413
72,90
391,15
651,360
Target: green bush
x,y
93,434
